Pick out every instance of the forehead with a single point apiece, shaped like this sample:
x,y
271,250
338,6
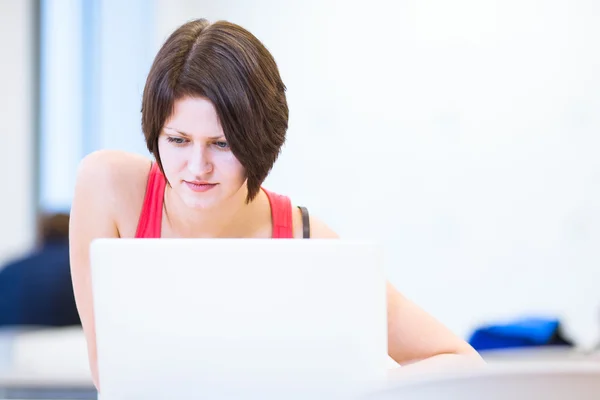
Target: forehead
x,y
194,116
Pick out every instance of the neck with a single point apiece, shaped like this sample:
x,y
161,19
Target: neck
x,y
228,220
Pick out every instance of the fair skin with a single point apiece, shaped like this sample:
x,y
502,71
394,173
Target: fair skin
x,y
108,199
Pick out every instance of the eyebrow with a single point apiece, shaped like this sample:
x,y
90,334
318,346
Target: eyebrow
x,y
188,135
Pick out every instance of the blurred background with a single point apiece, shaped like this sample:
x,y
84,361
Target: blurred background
x,y
463,135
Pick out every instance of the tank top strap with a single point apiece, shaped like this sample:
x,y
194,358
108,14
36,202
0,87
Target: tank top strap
x,y
281,213
150,221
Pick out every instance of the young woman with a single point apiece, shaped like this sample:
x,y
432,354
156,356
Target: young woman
x,y
214,116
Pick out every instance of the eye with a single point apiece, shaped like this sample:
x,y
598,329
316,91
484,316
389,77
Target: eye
x,y
222,145
176,140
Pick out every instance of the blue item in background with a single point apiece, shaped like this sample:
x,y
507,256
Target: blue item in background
x,y
527,332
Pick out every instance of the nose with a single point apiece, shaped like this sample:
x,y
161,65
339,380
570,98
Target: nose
x,y
199,163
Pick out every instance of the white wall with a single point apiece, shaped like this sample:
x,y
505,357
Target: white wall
x,y
125,57
62,108
462,134
95,59
17,136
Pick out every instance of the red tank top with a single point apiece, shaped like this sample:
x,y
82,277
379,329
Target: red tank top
x,y
149,224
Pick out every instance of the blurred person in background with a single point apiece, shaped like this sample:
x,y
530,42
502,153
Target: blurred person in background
x,y
36,290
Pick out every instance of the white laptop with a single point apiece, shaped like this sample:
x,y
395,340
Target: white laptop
x,y
224,318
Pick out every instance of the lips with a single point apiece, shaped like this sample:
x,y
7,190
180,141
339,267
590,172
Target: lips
x,y
198,186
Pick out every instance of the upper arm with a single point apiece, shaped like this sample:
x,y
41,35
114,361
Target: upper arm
x,y
318,229
92,216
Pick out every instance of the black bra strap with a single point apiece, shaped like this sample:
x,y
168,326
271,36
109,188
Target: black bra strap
x,y
305,223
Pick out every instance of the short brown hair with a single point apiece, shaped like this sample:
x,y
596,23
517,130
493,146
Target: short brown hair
x,y
229,66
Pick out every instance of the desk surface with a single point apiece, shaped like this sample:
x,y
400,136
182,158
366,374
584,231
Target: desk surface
x,y
573,370
29,385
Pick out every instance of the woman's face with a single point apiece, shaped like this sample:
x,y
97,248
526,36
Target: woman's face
x,y
196,158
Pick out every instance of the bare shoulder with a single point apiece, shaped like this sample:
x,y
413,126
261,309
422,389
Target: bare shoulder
x,y
318,228
113,167
118,178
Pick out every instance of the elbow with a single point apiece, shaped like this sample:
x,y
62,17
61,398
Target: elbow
x,y
466,355
467,351
471,358
463,357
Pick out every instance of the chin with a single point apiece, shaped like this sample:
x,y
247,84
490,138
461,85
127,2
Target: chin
x,y
207,200
195,203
